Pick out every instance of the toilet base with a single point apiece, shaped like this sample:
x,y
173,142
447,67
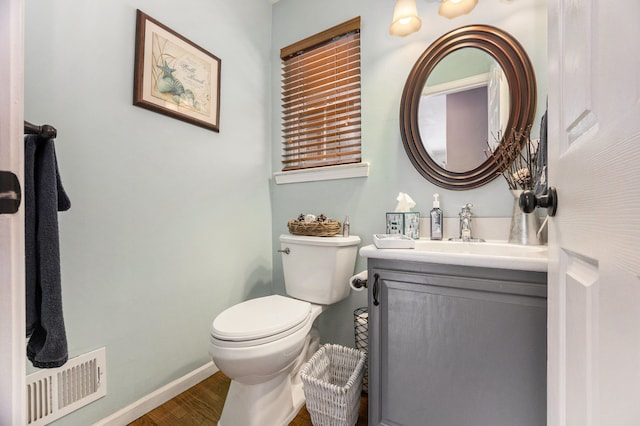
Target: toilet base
x,y
275,402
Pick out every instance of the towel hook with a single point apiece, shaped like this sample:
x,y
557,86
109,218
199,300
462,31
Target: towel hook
x,y
45,131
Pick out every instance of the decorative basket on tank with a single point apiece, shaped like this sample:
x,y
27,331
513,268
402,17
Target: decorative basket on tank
x,y
332,381
312,226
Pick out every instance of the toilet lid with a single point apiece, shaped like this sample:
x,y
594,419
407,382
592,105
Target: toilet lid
x,y
258,318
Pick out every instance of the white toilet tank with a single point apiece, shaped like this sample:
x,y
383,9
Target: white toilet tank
x,y
317,269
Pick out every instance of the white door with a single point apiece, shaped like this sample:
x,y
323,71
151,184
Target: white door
x,y
12,306
594,241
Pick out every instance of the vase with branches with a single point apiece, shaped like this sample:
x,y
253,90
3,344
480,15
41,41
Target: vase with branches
x,y
517,160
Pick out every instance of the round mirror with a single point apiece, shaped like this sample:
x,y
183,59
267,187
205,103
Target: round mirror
x,y
467,92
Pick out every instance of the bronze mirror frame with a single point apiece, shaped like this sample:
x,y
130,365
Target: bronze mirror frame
x,y
518,70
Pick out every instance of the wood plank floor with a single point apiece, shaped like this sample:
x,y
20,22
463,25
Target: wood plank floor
x,y
202,405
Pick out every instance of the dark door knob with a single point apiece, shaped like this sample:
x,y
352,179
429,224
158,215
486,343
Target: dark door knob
x,y
529,201
10,193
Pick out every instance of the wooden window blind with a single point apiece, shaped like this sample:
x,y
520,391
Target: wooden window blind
x,y
321,99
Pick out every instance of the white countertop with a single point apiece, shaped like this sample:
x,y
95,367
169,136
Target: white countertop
x,y
490,254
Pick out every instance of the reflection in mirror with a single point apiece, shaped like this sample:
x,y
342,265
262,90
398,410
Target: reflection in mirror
x,y
463,109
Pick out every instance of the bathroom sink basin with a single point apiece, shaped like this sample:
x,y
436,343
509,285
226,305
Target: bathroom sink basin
x,y
469,240
480,248
490,254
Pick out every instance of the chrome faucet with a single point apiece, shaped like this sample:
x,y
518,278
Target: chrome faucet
x,y
465,222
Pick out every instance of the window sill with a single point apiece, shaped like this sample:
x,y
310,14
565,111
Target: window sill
x,y
344,171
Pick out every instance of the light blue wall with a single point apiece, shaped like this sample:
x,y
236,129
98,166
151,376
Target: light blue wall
x,y
386,62
170,223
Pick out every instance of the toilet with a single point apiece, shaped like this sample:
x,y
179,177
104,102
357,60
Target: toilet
x,y
261,344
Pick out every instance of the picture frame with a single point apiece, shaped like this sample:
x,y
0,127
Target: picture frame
x,y
174,76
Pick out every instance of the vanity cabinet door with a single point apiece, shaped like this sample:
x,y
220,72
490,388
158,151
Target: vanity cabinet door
x,y
456,351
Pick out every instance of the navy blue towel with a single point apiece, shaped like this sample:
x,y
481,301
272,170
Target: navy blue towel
x,y
44,197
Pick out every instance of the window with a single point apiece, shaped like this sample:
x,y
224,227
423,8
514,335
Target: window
x,y
321,99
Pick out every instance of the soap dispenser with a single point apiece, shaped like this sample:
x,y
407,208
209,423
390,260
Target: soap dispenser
x,y
436,219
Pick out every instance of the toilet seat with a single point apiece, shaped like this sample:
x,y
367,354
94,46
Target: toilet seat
x,y
259,321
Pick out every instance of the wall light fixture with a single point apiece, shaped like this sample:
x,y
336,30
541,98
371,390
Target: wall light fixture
x,y
454,8
405,18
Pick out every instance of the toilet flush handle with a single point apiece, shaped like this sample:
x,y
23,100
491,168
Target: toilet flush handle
x,y
285,251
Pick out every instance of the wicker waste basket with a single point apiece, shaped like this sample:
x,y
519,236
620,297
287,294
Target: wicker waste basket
x,y
332,381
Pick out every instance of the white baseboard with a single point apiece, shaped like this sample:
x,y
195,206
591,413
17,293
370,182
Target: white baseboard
x,y
158,397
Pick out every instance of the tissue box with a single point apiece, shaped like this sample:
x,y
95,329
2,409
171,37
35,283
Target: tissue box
x,y
405,223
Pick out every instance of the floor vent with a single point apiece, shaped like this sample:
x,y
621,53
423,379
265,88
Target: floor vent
x,y
56,392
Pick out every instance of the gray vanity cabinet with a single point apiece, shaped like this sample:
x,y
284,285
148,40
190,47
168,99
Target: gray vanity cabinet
x,y
456,346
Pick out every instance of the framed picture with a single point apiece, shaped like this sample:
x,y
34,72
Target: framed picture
x,y
174,76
